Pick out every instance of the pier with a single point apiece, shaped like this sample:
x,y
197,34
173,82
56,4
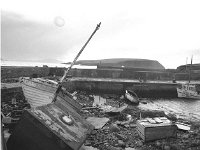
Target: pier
x,y
147,89
150,89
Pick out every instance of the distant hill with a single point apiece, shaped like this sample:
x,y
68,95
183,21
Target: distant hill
x,y
122,63
86,62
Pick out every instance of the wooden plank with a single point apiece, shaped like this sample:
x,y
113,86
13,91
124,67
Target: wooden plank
x,y
43,128
98,123
149,132
141,135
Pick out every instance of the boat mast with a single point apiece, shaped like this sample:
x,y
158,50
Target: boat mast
x,y
190,69
75,59
68,69
186,65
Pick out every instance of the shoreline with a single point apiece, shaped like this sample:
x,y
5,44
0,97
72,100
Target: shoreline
x,y
114,136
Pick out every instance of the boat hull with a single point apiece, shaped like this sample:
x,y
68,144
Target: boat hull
x,y
36,93
131,98
44,128
39,94
188,91
36,97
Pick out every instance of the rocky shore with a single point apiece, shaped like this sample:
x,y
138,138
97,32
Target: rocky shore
x,y
119,131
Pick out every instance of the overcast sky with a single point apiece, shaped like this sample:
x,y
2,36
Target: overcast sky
x,y
167,31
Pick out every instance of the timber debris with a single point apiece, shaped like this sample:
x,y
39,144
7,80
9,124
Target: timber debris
x,y
120,129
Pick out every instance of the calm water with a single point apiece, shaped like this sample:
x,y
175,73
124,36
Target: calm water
x,y
182,108
40,64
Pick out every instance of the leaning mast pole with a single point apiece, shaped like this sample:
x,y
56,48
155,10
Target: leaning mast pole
x,y
75,59
190,69
68,69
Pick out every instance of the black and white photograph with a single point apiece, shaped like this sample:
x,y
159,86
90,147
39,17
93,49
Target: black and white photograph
x,y
100,75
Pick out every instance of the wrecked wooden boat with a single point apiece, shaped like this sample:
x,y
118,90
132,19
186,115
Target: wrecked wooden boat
x,y
54,126
54,121
38,91
132,96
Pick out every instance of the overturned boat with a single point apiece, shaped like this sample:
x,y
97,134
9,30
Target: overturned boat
x,y
132,96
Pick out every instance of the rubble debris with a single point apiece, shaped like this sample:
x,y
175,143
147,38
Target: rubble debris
x,y
115,110
121,143
99,101
50,123
143,101
12,109
149,130
86,108
83,147
97,122
118,127
152,114
114,128
123,123
151,120
129,148
158,120
6,120
183,126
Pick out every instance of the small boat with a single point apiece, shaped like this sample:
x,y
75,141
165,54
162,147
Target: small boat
x,y
38,91
188,90
132,96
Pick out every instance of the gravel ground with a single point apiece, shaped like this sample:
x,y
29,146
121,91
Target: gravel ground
x,y
114,136
120,132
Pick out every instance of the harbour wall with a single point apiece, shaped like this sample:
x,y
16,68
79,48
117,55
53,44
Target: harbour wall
x,y
8,72
150,89
144,83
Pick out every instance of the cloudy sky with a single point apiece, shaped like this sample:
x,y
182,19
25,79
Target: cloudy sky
x,y
167,31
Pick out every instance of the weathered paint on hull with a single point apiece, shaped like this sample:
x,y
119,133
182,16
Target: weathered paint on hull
x,y
131,98
36,93
37,97
43,128
39,94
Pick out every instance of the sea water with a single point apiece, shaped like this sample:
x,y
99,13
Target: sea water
x,y
182,108
40,64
